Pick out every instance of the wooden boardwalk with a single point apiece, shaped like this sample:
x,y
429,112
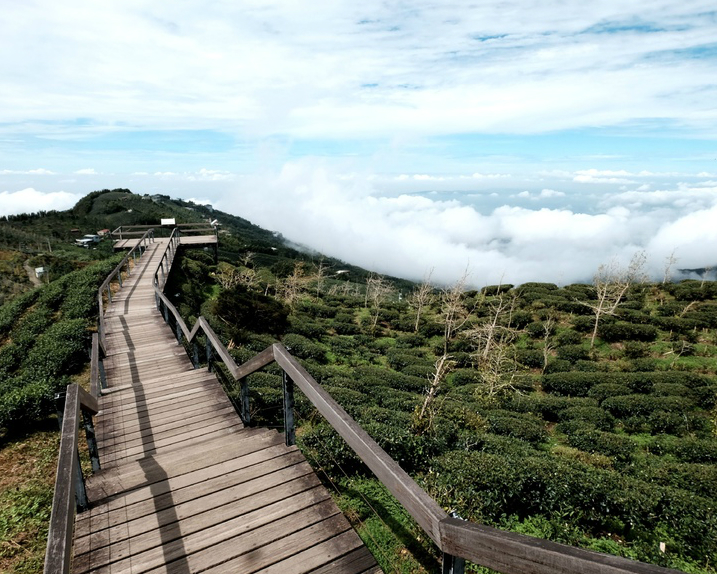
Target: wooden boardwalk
x,y
184,487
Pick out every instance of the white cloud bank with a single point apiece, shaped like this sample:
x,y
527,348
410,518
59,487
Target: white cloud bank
x,y
406,235
31,201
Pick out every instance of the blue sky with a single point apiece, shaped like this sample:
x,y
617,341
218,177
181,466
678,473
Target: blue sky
x,y
528,140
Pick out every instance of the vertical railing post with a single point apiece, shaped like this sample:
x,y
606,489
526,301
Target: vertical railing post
x,y
195,354
80,490
289,429
91,441
453,564
109,293
244,390
178,330
165,312
103,375
208,349
119,276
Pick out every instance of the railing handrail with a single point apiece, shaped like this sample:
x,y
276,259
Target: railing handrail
x,y
497,549
59,539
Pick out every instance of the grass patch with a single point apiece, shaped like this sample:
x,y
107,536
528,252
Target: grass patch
x,y
27,477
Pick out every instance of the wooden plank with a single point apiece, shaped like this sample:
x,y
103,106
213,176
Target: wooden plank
x,y
114,481
318,555
190,379
152,530
167,400
166,427
249,466
143,449
288,540
110,426
224,541
520,554
419,504
358,561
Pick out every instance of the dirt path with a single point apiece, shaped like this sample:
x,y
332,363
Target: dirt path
x,y
36,281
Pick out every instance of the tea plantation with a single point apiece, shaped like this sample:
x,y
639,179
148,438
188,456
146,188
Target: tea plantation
x,y
515,406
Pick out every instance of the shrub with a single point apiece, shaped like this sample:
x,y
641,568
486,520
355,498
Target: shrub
x,y
530,358
492,290
24,400
601,391
573,353
636,350
569,337
11,311
557,366
247,310
547,407
35,321
303,348
536,329
607,443
598,417
60,350
621,331
643,405
410,340
307,328
523,427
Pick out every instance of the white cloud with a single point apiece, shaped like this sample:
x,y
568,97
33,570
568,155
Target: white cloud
x,y
86,171
31,201
548,193
361,69
39,171
407,234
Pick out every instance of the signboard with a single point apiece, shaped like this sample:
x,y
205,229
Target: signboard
x,y
167,221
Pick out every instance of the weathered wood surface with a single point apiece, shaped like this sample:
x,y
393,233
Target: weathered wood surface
x,y
184,487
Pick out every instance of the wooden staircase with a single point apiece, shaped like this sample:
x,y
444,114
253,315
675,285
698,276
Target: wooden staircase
x,y
184,487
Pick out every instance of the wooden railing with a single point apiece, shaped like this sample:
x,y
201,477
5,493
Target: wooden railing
x,y
70,495
130,231
459,540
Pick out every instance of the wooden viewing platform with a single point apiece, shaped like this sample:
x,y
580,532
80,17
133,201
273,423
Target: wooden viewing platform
x,y
191,234
184,487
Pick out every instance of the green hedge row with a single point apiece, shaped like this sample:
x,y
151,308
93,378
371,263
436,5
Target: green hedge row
x,y
579,383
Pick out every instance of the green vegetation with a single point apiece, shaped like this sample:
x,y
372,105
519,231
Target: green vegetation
x,y
497,403
507,404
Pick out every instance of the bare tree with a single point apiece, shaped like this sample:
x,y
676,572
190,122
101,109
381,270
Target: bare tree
x,y
319,277
548,345
493,340
377,290
454,312
290,288
227,275
423,419
611,284
670,260
421,298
